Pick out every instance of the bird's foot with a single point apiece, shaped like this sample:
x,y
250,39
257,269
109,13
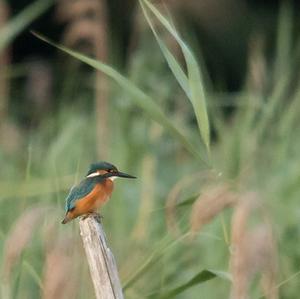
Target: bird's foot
x,y
97,216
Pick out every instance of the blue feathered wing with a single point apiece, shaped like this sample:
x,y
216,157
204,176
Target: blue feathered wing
x,y
77,192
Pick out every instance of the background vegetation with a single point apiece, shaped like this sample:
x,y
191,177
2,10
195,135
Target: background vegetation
x,y
214,212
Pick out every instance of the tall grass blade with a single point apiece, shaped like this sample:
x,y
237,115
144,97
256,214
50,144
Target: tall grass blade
x,y
283,74
171,60
145,102
284,282
34,187
12,293
22,20
199,278
151,261
192,84
33,273
284,39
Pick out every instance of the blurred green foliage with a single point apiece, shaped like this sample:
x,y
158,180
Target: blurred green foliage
x,y
160,136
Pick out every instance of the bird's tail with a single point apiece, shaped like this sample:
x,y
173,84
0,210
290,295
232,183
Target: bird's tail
x,y
66,219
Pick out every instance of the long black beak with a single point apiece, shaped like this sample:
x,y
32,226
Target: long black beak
x,y
123,175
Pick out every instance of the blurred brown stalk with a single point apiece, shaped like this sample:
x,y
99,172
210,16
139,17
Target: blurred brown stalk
x,y
253,250
4,62
174,197
87,22
209,204
20,236
18,239
59,279
149,168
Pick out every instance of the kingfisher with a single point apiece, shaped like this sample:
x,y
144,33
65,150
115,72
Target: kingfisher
x,y
93,191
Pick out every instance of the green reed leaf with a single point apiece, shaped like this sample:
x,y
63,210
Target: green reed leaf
x,y
22,20
145,102
191,83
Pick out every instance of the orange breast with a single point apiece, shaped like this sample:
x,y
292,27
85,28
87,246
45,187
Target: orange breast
x,y
95,199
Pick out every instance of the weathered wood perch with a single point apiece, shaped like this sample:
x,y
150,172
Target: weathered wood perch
x,y
101,261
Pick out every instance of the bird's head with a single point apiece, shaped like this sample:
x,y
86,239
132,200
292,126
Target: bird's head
x,y
106,170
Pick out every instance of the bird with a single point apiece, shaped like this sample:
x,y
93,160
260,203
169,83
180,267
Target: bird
x,y
93,191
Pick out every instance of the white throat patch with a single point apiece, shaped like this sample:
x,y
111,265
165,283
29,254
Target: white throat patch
x,y
112,178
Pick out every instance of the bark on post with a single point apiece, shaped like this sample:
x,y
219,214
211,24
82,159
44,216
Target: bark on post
x,y
101,261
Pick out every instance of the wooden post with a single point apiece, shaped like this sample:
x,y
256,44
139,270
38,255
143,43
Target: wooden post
x,y
101,261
